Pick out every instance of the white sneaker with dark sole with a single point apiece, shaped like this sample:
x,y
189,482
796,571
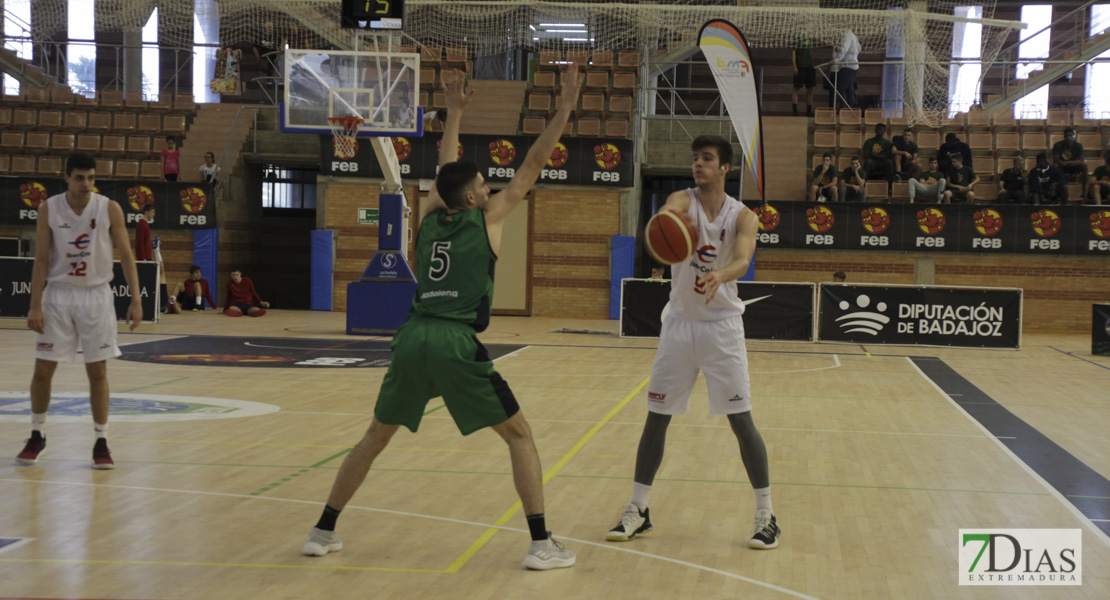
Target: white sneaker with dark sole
x,y
321,542
633,522
765,531
548,554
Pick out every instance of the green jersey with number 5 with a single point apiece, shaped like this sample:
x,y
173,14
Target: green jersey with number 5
x,y
454,268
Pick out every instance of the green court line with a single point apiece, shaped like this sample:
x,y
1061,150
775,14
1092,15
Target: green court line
x,y
298,473
331,458
434,409
143,387
1095,497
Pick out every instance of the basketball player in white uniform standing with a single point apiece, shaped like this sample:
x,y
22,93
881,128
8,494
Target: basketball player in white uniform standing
x,y
73,262
704,331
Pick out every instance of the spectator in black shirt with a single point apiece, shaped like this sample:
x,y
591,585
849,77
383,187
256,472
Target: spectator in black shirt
x,y
953,145
1047,182
1068,155
1013,183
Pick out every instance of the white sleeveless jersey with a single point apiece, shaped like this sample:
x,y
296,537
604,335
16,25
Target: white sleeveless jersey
x,y
82,251
716,242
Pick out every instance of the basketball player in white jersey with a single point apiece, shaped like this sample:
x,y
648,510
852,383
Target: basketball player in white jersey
x,y
704,331
73,262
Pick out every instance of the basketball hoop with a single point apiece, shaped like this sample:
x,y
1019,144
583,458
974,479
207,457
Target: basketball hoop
x,y
344,130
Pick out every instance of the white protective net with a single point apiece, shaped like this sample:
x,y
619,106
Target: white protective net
x,y
925,28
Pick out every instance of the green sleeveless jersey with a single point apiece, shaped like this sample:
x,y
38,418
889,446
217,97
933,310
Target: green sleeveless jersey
x,y
454,268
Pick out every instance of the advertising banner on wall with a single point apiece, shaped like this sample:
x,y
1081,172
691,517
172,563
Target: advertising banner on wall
x,y
15,293
917,315
177,205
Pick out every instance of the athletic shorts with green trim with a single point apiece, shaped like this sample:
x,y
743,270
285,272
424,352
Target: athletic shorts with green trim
x,y
435,357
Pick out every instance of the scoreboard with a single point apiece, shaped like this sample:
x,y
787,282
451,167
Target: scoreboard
x,y
373,14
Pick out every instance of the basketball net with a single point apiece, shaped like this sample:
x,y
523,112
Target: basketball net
x,y
344,130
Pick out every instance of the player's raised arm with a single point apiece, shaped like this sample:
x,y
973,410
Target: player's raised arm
x,y
127,261
458,97
747,228
44,242
503,202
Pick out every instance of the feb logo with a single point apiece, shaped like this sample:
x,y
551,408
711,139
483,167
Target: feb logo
x,y
769,217
707,253
402,147
607,156
32,193
875,219
193,199
1100,223
139,197
820,219
1046,223
502,152
459,155
931,220
559,156
987,221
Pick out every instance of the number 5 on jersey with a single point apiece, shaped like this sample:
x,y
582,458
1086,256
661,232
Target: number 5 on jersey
x,y
441,261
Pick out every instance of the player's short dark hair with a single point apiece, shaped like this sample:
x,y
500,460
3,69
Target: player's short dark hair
x,y
951,138
855,158
881,126
1069,129
956,156
194,269
1042,155
826,155
724,148
80,161
148,208
907,129
170,138
235,270
839,275
453,180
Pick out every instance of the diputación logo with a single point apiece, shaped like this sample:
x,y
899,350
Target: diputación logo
x,y
1021,557
863,320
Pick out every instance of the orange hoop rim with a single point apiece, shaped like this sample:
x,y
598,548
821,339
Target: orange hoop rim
x,y
349,123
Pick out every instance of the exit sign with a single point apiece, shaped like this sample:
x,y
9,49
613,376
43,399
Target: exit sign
x,y
367,216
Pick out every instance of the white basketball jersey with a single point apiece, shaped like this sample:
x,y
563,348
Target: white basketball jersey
x,y
82,252
716,242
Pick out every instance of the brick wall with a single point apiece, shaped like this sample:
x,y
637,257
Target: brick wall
x,y
1058,293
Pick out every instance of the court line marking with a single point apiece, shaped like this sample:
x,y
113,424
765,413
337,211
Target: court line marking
x,y
611,547
518,505
1099,533
175,563
298,473
1080,358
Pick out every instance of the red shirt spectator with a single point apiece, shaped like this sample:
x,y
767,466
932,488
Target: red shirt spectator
x,y
242,292
144,247
205,292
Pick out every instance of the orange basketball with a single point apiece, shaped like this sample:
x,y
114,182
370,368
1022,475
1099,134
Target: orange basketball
x,y
671,237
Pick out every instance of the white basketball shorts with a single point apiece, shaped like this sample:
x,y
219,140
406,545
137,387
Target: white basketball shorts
x,y
717,349
77,314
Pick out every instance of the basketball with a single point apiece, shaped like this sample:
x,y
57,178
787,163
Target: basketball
x,y
671,237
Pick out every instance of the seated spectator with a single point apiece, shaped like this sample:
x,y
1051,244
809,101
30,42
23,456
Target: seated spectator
x,y
1013,183
877,155
192,293
960,181
952,146
1047,183
209,170
839,277
905,155
1068,156
853,182
824,181
1100,183
241,298
930,184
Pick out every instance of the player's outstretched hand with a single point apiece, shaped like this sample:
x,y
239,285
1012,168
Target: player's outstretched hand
x,y
35,320
711,281
454,82
134,315
573,85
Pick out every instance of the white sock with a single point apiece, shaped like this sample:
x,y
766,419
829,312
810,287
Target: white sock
x,y
101,430
199,298
38,422
763,498
640,493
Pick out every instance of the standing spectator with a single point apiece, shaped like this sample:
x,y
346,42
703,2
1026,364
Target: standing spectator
x,y
1013,183
839,277
169,159
905,155
1068,156
825,181
961,181
192,293
209,170
845,64
805,75
853,182
241,298
877,154
1047,182
930,183
144,247
657,272
1100,183
952,146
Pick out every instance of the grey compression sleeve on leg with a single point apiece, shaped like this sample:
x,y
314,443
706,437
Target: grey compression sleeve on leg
x,y
752,450
649,455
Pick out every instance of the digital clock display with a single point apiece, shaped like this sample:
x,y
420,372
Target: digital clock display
x,y
373,14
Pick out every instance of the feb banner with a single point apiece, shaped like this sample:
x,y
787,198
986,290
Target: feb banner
x,y
772,311
177,204
920,315
727,53
16,301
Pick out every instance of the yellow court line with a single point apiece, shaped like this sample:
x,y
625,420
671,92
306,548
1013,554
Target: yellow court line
x,y
489,533
174,563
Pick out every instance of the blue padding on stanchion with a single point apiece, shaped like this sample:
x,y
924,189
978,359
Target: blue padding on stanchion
x,y
206,245
622,262
320,270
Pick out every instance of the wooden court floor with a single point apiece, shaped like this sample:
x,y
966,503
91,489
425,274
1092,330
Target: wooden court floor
x,y
874,470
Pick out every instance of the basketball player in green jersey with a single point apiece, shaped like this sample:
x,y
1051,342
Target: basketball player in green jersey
x,y
437,352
